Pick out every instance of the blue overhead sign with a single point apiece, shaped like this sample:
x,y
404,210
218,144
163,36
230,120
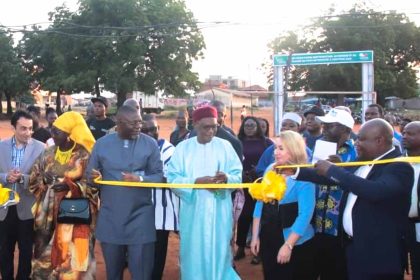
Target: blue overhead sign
x,y
324,58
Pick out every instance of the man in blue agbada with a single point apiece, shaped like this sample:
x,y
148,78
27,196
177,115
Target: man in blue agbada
x,y
206,215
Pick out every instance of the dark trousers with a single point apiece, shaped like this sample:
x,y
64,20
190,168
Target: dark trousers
x,y
358,275
332,264
414,250
12,231
357,270
161,247
301,262
140,260
245,220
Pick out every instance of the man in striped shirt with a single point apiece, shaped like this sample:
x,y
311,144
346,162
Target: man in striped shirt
x,y
165,201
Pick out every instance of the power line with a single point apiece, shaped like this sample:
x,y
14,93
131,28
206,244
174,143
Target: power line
x,y
59,31
198,23
134,31
104,27
145,30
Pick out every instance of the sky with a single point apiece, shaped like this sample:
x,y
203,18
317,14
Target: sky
x,y
237,47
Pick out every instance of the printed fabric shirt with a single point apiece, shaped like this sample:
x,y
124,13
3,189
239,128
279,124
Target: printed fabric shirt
x,y
328,197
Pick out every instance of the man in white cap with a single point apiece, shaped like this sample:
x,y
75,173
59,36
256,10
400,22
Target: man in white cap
x,y
336,127
353,135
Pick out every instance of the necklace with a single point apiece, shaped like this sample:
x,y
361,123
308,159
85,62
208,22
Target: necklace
x,y
63,157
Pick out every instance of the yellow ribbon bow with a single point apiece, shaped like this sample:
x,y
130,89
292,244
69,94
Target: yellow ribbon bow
x,y
268,188
8,197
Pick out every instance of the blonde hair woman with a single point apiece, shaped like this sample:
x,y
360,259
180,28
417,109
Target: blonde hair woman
x,y
281,231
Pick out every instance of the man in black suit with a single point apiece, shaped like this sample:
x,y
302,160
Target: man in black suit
x,y
376,205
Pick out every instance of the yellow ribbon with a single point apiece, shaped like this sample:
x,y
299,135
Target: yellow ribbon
x,y
173,186
245,185
359,163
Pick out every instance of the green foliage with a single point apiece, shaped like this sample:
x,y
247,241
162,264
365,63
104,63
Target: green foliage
x,y
124,45
25,97
13,78
393,38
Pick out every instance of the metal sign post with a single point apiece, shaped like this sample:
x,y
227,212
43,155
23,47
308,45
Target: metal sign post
x,y
282,60
278,98
367,87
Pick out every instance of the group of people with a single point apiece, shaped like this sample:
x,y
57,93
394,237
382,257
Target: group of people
x,y
356,224
332,223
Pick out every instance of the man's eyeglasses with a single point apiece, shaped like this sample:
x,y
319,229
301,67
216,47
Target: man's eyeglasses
x,y
151,129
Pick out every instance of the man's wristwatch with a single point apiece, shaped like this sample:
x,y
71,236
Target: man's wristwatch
x,y
140,178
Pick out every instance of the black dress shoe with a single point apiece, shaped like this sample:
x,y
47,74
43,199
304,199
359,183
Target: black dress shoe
x,y
240,254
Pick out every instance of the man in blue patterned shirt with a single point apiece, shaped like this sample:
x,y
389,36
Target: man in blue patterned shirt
x,y
337,125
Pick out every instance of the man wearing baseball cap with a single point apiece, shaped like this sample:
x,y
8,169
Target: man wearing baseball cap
x,y
336,127
100,124
338,116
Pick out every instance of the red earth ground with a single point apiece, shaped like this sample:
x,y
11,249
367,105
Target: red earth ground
x,y
167,124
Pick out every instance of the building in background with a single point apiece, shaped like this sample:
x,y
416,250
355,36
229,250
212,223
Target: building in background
x,y
224,82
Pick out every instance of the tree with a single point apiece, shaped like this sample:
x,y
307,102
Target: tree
x,y
13,78
124,45
47,55
393,38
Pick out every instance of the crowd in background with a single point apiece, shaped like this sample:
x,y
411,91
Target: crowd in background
x,y
359,222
